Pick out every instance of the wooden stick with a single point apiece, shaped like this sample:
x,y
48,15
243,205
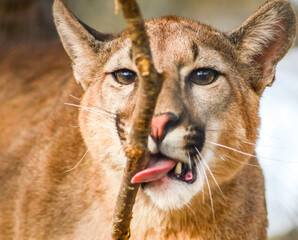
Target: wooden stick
x,y
149,88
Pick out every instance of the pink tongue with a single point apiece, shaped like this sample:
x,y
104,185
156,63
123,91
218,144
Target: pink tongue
x,y
155,172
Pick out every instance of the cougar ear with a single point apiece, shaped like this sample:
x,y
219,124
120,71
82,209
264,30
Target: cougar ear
x,y
264,39
81,42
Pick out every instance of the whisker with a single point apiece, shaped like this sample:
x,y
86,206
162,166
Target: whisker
x,y
255,144
211,130
247,129
233,149
74,126
270,136
210,194
250,143
249,164
100,123
93,110
201,169
254,165
77,163
74,97
262,158
227,159
189,161
89,124
85,108
195,216
209,170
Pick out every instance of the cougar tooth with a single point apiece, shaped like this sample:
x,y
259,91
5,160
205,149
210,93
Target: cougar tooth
x,y
178,168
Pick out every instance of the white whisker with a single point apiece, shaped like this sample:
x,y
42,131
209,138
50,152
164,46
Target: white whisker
x,y
194,214
245,163
249,164
232,149
209,170
201,168
93,110
254,144
89,124
248,142
228,159
77,163
100,123
210,194
189,161
74,97
74,126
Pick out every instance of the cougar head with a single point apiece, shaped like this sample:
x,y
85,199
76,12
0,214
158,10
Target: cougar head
x,y
206,119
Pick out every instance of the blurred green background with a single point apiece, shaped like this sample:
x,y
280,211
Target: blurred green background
x,y
223,15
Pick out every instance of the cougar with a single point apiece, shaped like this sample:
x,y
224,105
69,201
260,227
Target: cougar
x,y
64,130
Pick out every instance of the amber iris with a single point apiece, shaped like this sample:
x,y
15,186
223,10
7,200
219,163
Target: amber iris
x,y
203,76
125,76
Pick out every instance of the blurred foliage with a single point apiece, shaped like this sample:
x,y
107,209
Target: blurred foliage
x,y
222,14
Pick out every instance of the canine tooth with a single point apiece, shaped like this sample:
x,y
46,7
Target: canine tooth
x,y
178,168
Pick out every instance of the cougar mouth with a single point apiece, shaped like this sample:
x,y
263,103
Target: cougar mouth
x,y
160,166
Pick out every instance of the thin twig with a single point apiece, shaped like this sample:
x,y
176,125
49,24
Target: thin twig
x,y
150,85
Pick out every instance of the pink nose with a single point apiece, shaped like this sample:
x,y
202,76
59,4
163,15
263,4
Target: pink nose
x,y
158,126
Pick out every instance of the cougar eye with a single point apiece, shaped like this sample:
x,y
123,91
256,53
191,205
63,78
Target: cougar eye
x,y
125,76
203,76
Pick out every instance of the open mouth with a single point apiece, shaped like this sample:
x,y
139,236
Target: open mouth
x,y
160,166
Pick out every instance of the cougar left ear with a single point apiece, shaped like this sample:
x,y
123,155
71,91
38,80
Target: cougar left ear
x,y
264,39
82,43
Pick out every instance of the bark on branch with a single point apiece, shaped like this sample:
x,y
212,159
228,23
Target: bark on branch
x,y
149,88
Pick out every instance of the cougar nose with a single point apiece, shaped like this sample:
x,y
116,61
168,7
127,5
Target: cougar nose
x,y
160,125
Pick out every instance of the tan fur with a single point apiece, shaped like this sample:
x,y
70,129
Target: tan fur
x,y
60,168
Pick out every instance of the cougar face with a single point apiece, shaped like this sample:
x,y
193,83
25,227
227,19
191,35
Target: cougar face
x,y
205,124
198,106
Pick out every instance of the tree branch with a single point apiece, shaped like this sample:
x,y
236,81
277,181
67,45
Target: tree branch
x,y
150,85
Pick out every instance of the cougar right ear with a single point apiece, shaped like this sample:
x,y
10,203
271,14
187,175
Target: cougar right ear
x,y
81,42
264,39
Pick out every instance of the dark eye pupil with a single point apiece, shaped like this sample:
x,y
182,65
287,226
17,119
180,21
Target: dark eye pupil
x,y
203,76
125,76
